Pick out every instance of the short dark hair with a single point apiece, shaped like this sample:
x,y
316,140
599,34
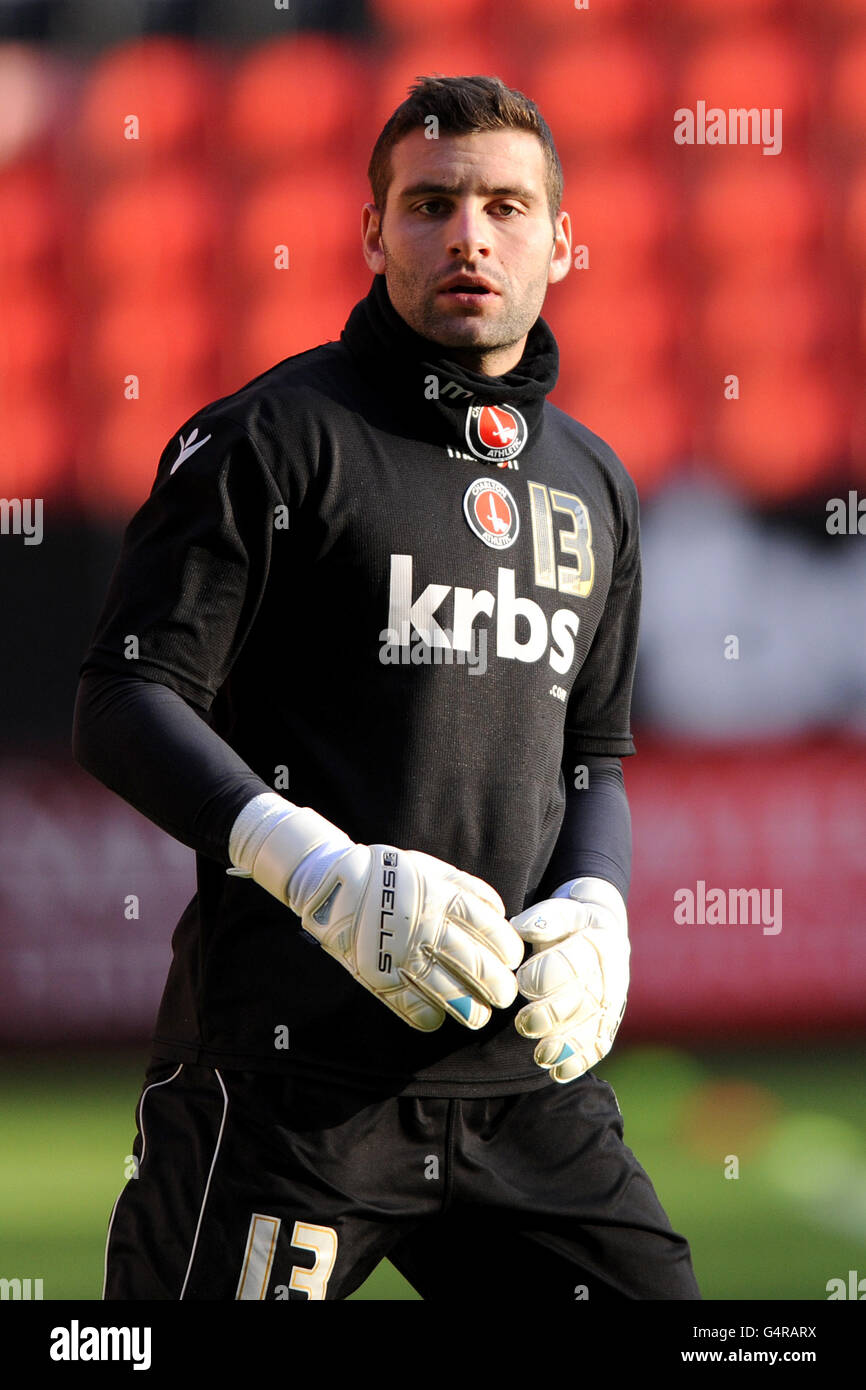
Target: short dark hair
x,y
463,106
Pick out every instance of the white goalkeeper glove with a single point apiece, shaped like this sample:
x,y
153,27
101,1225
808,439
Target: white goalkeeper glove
x,y
577,976
425,938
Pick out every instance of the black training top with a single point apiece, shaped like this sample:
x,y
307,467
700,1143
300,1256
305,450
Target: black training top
x,y
406,594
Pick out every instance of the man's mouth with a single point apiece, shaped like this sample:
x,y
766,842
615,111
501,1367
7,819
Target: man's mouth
x,y
469,286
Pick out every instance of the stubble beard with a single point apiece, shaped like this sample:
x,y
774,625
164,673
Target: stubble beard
x,y
460,334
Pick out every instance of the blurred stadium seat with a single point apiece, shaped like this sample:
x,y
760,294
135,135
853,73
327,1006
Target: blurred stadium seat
x,y
163,339
36,441
765,215
295,99
744,318
847,86
603,320
854,218
34,335
642,416
31,215
277,323
160,226
534,18
318,217
761,67
785,434
604,91
169,85
407,17
728,11
625,211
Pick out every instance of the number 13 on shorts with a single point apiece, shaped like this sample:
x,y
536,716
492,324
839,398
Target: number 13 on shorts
x,y
259,1258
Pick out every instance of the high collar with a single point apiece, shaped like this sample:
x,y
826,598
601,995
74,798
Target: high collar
x,y
423,382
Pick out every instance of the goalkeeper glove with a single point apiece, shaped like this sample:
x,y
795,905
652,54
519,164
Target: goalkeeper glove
x,y
577,977
425,938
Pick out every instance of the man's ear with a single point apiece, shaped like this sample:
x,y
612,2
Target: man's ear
x,y
371,238
560,258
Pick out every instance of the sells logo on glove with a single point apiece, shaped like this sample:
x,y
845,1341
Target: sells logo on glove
x,y
386,908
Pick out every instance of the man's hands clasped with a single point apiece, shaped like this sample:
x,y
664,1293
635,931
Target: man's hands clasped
x,y
424,937
431,941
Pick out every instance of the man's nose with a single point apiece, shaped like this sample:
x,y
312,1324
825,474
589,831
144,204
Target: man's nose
x,y
468,234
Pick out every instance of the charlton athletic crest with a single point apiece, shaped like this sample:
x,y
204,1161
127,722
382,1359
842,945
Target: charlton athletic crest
x,y
492,513
495,433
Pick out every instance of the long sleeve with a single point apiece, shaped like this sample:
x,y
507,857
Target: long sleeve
x,y
143,741
595,837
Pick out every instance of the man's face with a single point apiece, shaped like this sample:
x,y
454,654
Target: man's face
x,y
471,207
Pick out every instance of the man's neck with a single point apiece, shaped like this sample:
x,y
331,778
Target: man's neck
x,y
490,361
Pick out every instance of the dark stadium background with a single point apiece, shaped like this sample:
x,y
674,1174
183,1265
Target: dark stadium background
x,y
153,258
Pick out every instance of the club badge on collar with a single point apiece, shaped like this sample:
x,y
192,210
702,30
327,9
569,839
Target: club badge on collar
x,y
495,433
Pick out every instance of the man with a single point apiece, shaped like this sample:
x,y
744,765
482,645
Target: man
x,y
390,580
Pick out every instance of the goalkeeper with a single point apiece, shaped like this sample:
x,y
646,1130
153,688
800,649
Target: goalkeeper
x,y
408,947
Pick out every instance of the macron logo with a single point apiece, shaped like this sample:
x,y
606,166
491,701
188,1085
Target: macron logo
x,y
187,447
76,1343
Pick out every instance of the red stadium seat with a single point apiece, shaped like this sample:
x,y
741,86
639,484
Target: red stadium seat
x,y
847,86
623,211
861,324
766,67
318,218
599,91
763,213
788,429
744,318
728,11
643,417
406,17
274,326
34,334
601,323
161,339
167,85
847,9
36,445
31,217
296,98
159,227
854,218
534,18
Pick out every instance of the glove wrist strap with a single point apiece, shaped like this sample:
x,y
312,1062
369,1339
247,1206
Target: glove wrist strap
x,y
594,890
287,849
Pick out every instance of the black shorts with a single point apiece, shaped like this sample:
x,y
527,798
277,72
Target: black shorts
x,y
253,1186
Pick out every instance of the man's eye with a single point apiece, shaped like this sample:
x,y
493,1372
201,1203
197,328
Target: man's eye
x,y
508,207
434,203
